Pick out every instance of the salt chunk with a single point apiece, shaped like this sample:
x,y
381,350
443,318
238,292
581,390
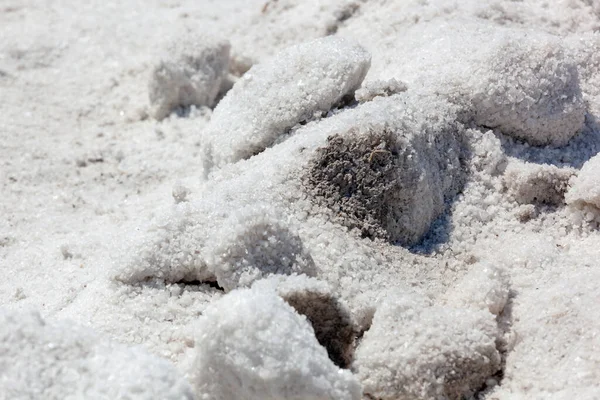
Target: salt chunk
x,y
253,345
281,92
189,72
529,90
254,242
414,351
391,173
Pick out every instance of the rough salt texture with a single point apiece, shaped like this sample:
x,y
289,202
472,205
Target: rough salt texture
x,y
484,287
252,345
294,86
584,193
329,317
532,183
529,89
390,177
57,360
189,72
413,350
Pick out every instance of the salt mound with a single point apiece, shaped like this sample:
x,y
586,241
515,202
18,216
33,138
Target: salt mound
x,y
529,90
390,175
315,300
294,86
532,183
484,287
189,72
415,351
61,361
584,194
252,345
255,242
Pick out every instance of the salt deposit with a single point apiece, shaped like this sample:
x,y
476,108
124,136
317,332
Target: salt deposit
x,y
398,197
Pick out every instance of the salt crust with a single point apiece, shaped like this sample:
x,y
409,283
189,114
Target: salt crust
x,y
294,86
253,345
57,360
189,72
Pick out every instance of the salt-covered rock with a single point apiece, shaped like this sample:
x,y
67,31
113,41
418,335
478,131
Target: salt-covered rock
x,y
57,360
253,345
330,319
190,71
584,193
415,351
484,287
531,183
528,89
273,96
391,174
254,242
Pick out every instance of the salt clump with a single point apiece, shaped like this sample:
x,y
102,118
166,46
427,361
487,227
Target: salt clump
x,y
172,251
315,300
189,72
529,90
252,345
60,361
417,351
391,175
584,194
532,183
279,93
255,242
